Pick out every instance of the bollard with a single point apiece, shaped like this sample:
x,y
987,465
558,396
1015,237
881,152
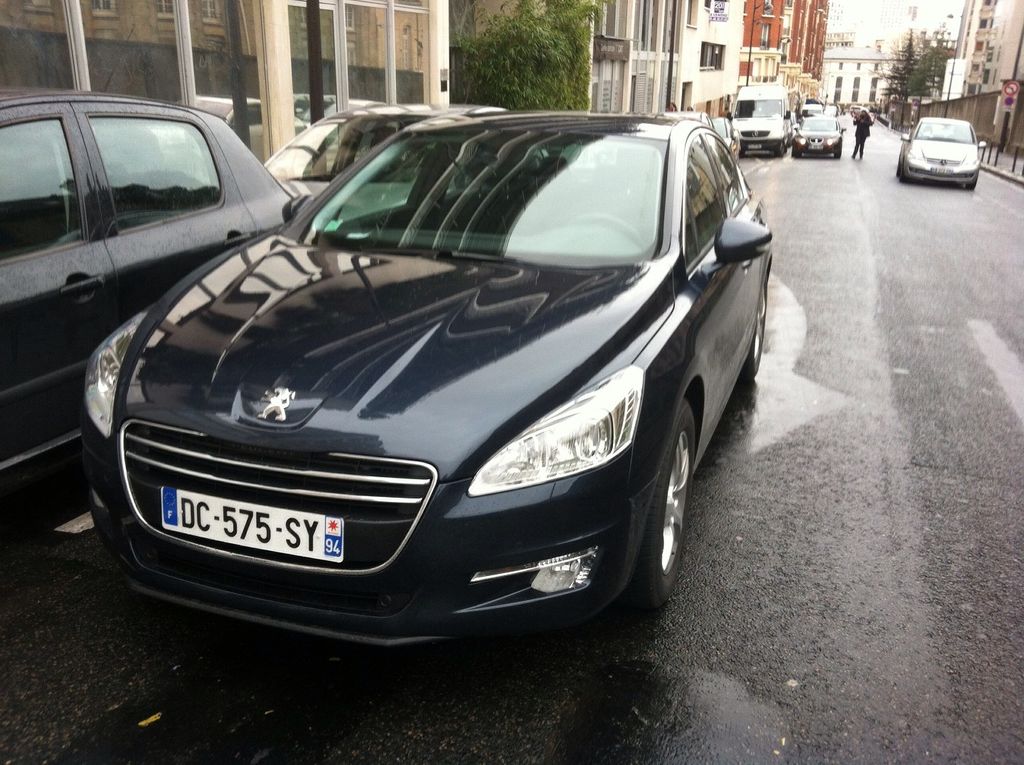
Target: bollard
x,y
1016,149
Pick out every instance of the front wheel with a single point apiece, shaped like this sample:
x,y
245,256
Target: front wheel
x,y
781,150
753,361
661,547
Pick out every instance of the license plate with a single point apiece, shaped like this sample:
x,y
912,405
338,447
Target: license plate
x,y
272,529
943,170
754,146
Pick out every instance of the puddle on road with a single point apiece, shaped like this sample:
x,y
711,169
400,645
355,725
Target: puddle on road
x,y
631,712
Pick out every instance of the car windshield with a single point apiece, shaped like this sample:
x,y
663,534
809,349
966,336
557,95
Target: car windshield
x,y
821,125
767,107
951,132
555,198
323,151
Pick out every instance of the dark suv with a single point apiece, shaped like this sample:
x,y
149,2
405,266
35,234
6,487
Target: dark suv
x,y
105,202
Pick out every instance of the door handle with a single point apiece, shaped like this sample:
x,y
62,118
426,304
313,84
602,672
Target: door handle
x,y
235,237
81,287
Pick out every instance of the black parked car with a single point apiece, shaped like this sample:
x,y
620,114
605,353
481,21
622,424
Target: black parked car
x,y
105,202
819,135
476,409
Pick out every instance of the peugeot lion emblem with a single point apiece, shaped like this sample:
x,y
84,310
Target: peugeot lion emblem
x,y
274,403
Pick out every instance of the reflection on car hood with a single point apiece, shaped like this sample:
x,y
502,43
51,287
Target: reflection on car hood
x,y
820,133
951,152
438,359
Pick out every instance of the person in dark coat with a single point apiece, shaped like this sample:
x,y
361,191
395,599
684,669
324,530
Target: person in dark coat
x,y
863,123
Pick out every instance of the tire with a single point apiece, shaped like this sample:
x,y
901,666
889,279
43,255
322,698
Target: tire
x,y
972,185
899,169
752,362
796,154
781,150
743,153
837,155
662,543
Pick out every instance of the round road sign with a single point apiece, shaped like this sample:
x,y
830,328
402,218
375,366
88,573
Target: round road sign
x,y
1011,88
1009,101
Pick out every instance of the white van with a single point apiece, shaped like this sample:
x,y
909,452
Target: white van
x,y
763,120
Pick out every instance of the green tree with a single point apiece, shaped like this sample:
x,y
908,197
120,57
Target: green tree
x,y
929,71
536,55
901,69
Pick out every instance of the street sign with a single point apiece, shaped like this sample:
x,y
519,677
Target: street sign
x,y
916,102
1009,100
719,10
1011,88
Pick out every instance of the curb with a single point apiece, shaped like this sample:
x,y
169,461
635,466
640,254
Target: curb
x,y
1006,175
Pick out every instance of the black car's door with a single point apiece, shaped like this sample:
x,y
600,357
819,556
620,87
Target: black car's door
x,y
172,202
737,201
719,300
57,284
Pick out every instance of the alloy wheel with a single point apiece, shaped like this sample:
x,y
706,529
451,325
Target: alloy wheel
x,y
675,504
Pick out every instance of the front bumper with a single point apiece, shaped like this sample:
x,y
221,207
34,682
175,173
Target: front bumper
x,y
425,593
928,171
817,148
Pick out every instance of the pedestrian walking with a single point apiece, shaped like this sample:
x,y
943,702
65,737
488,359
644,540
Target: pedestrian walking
x,y
863,125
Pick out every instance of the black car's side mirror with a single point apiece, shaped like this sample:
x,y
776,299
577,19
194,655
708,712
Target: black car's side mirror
x,y
789,115
292,206
738,241
842,130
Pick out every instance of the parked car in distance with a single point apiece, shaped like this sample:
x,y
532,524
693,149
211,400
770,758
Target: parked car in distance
x,y
224,107
476,410
830,110
941,150
763,119
811,110
308,162
819,135
855,109
723,126
105,202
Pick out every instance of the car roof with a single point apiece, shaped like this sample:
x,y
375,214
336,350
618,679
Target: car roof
x,y
376,109
12,96
630,125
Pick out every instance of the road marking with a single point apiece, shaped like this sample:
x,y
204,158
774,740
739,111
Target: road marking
x,y
785,400
77,525
1003,362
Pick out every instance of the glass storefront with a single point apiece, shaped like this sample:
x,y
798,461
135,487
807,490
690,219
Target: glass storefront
x,y
248,62
34,49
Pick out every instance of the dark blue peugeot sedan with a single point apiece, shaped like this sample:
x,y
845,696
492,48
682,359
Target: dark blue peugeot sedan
x,y
463,392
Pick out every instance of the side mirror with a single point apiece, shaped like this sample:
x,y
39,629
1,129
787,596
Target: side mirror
x,y
905,137
842,130
292,206
789,115
982,144
738,241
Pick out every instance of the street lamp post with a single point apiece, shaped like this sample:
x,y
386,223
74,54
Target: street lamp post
x,y
764,6
952,67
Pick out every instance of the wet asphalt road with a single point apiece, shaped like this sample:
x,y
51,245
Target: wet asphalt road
x,y
852,591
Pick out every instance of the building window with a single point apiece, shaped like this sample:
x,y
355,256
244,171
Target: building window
x,y
858,67
691,13
855,96
350,17
107,6
712,56
165,7
765,30
210,10
837,97
874,90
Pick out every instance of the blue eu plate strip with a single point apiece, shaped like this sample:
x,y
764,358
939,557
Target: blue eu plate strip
x,y
169,502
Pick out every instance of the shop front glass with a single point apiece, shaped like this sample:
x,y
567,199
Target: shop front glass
x,y
412,56
366,49
34,45
298,34
131,47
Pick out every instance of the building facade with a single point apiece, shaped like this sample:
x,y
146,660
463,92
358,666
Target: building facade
x,y
854,76
783,43
218,54
993,44
632,46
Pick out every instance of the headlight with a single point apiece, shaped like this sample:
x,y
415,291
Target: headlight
x,y
800,139
589,431
830,141
102,372
915,153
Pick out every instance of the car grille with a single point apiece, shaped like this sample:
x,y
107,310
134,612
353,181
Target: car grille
x,y
380,499
754,133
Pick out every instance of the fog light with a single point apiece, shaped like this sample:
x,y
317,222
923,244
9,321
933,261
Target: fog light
x,y
564,572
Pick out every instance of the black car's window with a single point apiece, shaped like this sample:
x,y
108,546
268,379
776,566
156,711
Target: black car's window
x,y
323,151
733,185
157,169
526,194
704,207
38,197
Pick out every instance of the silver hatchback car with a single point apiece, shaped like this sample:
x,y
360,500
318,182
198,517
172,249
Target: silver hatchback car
x,y
943,150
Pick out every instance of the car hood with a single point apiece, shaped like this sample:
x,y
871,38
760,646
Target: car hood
x,y
820,133
946,150
388,355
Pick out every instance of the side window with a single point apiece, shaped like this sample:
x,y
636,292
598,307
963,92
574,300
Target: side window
x,y
38,198
157,169
704,209
734,192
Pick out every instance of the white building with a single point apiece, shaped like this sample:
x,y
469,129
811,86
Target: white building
x,y
631,44
854,75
